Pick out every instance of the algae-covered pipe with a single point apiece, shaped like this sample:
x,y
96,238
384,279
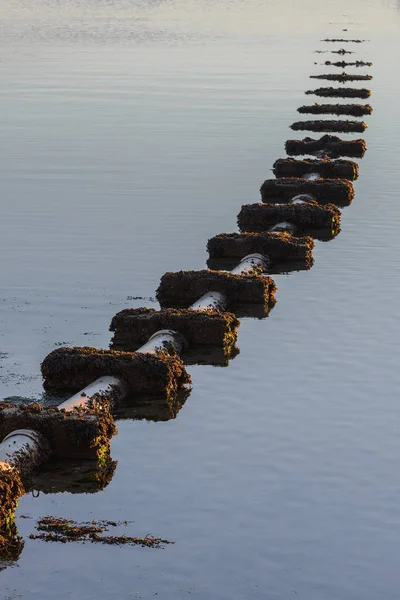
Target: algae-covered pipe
x,y
299,199
23,449
284,226
211,301
217,300
311,176
114,388
106,386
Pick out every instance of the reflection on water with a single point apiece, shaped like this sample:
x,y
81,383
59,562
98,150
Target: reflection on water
x,y
152,408
74,476
11,544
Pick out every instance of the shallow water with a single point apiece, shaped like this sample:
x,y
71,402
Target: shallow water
x,y
130,133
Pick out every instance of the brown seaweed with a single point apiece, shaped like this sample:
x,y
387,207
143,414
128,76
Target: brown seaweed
x,y
199,328
11,489
342,77
334,126
325,191
342,64
343,40
355,110
74,368
329,145
183,288
331,169
279,247
78,433
341,51
11,544
341,92
322,222
55,529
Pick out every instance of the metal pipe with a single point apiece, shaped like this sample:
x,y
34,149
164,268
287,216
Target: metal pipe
x,y
211,300
114,388
311,176
105,386
164,339
217,300
23,449
302,199
299,199
284,226
250,262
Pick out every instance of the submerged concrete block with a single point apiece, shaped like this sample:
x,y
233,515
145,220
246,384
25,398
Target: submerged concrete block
x,y
330,169
79,433
330,145
323,222
183,288
326,125
74,368
199,328
279,247
340,92
355,110
325,191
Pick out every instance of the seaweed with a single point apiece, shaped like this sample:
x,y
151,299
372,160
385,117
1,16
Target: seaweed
x,y
204,328
183,288
342,77
11,544
329,145
342,64
56,529
279,247
78,433
341,51
335,191
334,126
11,490
355,110
145,373
341,92
308,217
331,169
343,40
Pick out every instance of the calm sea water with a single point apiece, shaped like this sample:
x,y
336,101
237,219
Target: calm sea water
x,y
130,133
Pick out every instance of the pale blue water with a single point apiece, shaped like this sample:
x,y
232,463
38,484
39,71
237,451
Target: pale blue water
x,y
130,133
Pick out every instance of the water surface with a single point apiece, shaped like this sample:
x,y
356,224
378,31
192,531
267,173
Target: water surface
x,y
131,132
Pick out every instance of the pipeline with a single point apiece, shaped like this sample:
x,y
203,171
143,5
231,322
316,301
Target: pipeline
x,y
306,191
